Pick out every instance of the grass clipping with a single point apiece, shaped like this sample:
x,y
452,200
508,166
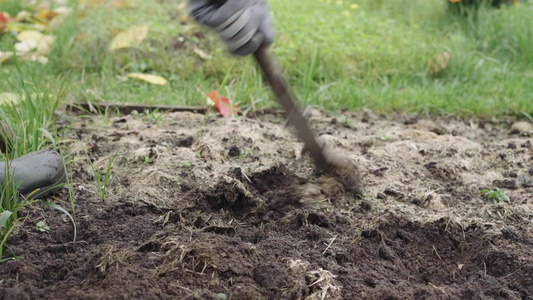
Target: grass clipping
x,y
321,284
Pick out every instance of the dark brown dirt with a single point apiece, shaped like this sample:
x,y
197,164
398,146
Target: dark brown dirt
x,y
187,217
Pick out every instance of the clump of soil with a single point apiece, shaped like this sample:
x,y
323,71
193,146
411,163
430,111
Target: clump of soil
x,y
202,207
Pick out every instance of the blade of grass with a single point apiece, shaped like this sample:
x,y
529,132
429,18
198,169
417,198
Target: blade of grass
x,y
61,209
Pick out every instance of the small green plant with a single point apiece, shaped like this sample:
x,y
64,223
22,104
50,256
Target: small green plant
x,y
9,207
186,164
222,296
246,152
103,181
148,160
344,119
152,116
42,227
496,195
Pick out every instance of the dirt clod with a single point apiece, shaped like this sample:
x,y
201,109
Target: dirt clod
x,y
392,192
234,151
381,196
184,142
410,121
365,206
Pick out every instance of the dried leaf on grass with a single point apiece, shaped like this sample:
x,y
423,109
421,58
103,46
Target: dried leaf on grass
x,y
150,78
9,98
202,54
33,45
43,43
23,15
45,15
223,104
439,62
4,56
131,37
3,22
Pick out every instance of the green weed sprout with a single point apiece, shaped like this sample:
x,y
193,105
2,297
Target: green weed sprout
x,y
9,206
496,195
103,181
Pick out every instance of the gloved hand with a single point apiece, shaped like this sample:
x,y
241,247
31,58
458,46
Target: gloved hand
x,y
244,25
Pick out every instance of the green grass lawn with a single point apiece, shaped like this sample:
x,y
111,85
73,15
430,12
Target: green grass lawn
x,y
336,54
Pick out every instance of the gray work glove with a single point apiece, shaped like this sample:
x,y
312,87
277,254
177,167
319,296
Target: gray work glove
x,y
244,25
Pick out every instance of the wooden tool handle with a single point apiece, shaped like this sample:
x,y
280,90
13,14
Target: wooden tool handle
x,y
294,113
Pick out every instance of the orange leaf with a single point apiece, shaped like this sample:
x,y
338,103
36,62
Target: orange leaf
x,y
3,18
223,105
45,14
3,21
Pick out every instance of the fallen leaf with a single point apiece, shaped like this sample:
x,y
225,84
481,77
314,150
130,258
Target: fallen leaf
x,y
25,47
19,27
4,56
3,17
46,15
23,15
439,62
223,105
3,21
9,98
43,42
150,78
202,54
29,35
131,37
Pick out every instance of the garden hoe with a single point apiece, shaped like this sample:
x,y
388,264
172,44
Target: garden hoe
x,y
325,160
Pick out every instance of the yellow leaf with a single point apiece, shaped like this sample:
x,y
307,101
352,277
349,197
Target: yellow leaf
x,y
202,54
29,35
9,98
4,56
131,37
23,15
150,78
19,27
25,47
439,62
45,14
43,43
